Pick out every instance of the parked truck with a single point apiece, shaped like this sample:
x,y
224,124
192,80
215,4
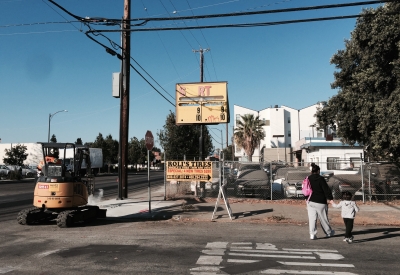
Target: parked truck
x,y
96,159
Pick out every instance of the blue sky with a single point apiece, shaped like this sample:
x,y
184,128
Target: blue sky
x,y
45,68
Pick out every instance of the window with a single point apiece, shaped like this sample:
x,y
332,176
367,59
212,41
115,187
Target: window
x,y
355,163
289,133
332,163
288,120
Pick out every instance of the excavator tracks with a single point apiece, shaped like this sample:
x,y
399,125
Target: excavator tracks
x,y
65,218
33,215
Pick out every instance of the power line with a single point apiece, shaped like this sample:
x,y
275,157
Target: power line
x,y
109,50
260,24
247,13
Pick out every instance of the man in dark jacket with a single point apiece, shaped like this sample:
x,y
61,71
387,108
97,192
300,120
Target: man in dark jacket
x,y
317,206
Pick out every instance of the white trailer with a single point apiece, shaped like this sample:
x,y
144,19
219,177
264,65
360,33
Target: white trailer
x,y
96,159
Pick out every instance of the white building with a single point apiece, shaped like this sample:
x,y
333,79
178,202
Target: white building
x,y
284,127
34,151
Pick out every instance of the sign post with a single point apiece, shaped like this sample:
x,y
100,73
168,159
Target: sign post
x,y
149,139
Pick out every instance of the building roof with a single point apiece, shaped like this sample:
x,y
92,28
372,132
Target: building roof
x,y
322,142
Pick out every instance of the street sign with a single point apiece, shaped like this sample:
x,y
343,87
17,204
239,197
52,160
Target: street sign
x,y
189,170
149,140
202,103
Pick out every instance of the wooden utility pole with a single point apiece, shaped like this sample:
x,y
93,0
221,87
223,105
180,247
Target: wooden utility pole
x,y
202,184
124,113
201,51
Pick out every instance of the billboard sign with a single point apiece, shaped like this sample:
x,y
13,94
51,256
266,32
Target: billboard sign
x,y
202,103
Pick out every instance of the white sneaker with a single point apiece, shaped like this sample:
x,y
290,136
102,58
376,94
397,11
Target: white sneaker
x,y
313,237
345,239
330,234
350,240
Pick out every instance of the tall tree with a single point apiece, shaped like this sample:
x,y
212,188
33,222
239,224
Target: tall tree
x,y
249,133
183,140
78,141
137,151
109,147
53,138
367,106
16,155
228,154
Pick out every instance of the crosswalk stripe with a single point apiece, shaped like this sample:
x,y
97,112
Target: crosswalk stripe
x,y
271,256
311,250
220,252
242,261
316,264
280,271
217,245
272,251
329,256
209,260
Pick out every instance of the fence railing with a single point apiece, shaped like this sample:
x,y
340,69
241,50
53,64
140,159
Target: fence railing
x,y
282,180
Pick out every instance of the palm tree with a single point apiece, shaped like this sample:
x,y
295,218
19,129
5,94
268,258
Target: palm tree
x,y
249,134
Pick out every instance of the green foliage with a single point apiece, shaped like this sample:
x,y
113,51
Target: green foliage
x,y
109,147
183,140
228,154
16,155
78,141
367,106
137,151
249,134
53,138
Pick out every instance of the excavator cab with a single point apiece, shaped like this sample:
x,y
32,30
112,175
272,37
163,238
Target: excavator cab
x,y
62,191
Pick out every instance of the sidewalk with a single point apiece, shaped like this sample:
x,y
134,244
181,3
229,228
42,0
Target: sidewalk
x,y
243,210
191,208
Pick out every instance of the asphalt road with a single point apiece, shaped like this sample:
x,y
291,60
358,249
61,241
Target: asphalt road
x,y
199,248
15,196
176,247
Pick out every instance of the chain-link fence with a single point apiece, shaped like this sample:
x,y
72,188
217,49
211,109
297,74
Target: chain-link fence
x,y
283,180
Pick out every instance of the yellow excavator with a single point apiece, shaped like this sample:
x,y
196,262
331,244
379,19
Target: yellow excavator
x,y
61,191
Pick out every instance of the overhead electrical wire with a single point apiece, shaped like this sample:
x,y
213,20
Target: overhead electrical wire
x,y
247,13
112,52
105,21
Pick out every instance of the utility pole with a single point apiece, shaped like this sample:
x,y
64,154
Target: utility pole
x,y
124,111
201,51
202,184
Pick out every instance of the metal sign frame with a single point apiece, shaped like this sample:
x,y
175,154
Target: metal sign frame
x,y
202,103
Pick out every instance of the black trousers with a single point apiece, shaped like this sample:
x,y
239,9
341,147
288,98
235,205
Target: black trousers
x,y
349,227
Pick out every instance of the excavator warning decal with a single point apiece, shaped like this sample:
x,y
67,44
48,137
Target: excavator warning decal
x,y
54,187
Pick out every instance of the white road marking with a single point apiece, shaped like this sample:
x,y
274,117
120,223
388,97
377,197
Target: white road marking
x,y
268,246
214,252
4,270
329,256
273,251
209,260
280,271
316,264
242,261
217,245
272,256
311,250
218,253
46,253
204,273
